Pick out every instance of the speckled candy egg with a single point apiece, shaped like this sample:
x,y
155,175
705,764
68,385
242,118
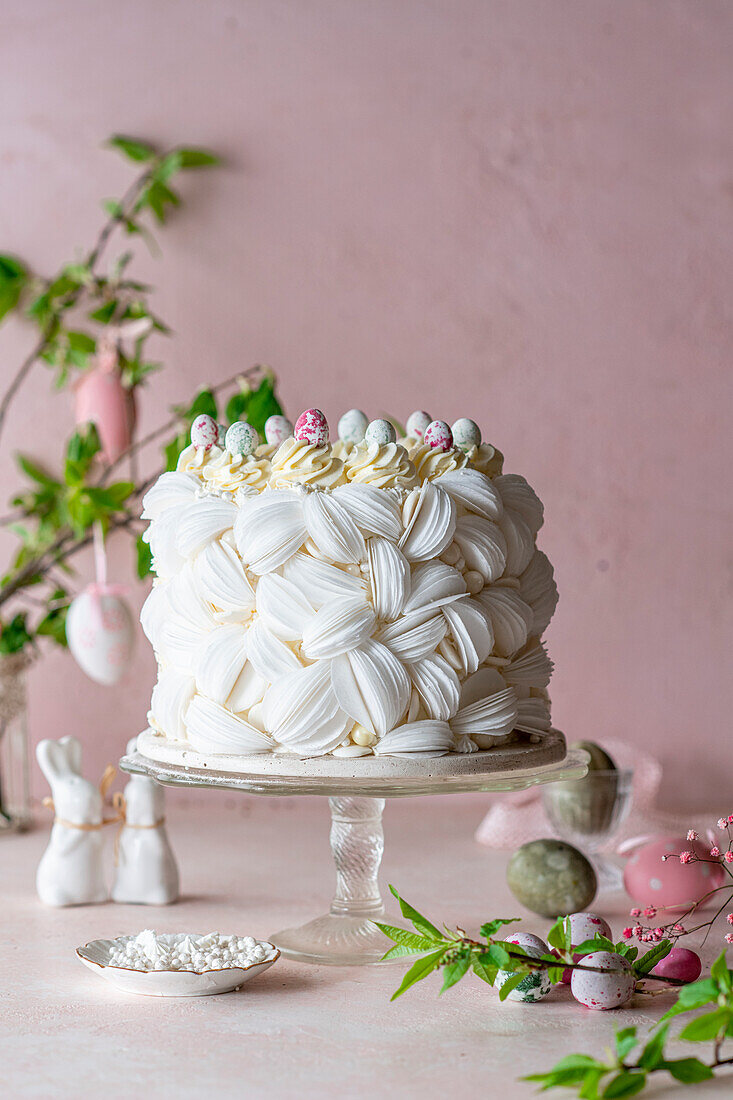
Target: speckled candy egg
x,y
584,926
380,432
311,427
277,429
613,988
535,986
204,431
681,964
466,434
352,426
670,884
241,439
417,422
438,435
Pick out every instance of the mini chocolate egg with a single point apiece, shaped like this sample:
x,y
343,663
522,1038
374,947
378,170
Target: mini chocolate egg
x,y
669,884
537,984
613,988
417,422
681,964
204,431
352,426
380,432
241,439
311,427
466,434
438,435
277,429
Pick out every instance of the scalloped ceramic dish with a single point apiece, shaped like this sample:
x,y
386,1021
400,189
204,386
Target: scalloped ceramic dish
x,y
170,983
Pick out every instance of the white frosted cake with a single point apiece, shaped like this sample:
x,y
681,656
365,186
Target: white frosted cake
x,y
324,606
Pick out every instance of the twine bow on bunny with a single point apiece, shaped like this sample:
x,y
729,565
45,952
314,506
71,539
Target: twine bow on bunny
x,y
105,783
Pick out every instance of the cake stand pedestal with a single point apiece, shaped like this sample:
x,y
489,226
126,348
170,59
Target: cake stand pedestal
x,y
346,935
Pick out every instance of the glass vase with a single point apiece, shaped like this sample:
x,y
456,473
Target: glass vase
x,y
15,804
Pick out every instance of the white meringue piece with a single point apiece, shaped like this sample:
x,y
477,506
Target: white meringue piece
x,y
471,633
487,681
429,516
270,657
533,715
389,577
320,582
517,494
201,522
491,718
170,489
212,728
438,686
302,712
428,736
222,659
412,637
186,622
223,582
340,625
474,491
153,613
530,669
332,529
282,607
374,511
371,686
537,588
519,542
269,529
434,584
162,536
169,702
248,690
511,618
483,546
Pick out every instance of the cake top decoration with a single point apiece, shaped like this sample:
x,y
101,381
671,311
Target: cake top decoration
x,y
380,432
466,434
417,422
204,432
352,426
241,439
277,428
438,435
311,427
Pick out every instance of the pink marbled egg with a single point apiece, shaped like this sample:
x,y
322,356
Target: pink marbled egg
x,y
613,988
204,431
417,422
670,884
277,428
584,926
311,427
681,964
438,435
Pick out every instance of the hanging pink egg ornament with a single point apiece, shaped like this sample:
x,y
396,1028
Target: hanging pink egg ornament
x,y
100,398
204,432
277,429
101,634
417,422
681,964
312,427
438,435
612,987
666,883
380,432
466,434
241,439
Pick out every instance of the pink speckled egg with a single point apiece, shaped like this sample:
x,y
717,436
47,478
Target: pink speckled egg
x,y
670,884
417,422
584,926
681,964
611,989
311,427
438,435
204,431
277,428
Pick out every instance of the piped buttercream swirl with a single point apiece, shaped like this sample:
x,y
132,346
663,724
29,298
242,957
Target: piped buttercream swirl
x,y
230,472
430,462
193,460
489,460
384,465
297,462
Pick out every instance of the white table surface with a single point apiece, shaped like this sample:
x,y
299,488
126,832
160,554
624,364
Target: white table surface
x,y
252,865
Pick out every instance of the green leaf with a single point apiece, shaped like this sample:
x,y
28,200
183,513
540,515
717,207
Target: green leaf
x,y
105,313
692,996
454,971
421,969
559,935
648,961
498,955
204,402
197,158
689,1070
405,938
653,1052
14,635
255,406
13,278
589,1088
626,1040
420,922
81,341
481,970
29,467
625,1083
707,1026
597,943
135,150
144,558
510,984
720,973
488,929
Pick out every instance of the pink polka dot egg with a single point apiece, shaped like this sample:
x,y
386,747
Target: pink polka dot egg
x,y
669,884
311,427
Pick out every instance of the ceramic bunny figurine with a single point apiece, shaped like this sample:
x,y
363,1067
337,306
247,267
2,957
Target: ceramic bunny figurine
x,y
71,870
146,871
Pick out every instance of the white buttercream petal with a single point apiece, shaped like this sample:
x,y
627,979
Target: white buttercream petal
x,y
429,516
533,715
221,661
511,618
332,529
302,712
371,686
537,588
438,686
483,546
531,669
162,537
223,581
169,702
517,494
489,721
429,736
270,657
470,632
283,607
520,545
474,491
412,637
171,489
434,585
248,690
320,582
339,626
374,511
213,729
269,529
389,576
201,522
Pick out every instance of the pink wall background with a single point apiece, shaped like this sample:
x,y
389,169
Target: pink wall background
x,y
518,210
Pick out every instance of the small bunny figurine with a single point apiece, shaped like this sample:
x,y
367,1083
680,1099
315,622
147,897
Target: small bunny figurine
x,y
71,870
146,871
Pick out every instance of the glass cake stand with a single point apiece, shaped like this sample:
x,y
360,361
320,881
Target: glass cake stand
x,y
346,935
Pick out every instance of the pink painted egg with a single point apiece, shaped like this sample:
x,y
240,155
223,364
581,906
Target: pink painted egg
x,y
204,431
101,634
613,988
311,427
438,435
417,422
584,926
681,964
670,884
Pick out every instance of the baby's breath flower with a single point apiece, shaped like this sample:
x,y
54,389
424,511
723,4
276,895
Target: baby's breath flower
x,y
686,857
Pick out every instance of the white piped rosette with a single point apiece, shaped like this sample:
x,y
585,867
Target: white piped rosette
x,y
387,602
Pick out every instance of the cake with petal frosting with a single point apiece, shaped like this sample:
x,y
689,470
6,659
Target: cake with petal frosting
x,y
369,600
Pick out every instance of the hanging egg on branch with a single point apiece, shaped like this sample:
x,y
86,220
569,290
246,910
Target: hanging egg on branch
x,y
100,631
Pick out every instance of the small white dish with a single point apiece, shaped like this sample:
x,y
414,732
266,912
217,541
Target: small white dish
x,y
170,983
